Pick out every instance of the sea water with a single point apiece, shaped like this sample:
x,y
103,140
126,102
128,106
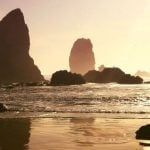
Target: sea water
x,y
88,98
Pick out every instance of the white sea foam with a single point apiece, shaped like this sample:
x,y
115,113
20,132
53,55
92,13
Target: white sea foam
x,y
88,98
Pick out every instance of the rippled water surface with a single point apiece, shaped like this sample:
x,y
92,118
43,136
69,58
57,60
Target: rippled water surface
x,y
95,98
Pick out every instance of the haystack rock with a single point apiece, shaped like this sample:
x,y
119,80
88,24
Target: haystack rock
x,y
15,63
82,58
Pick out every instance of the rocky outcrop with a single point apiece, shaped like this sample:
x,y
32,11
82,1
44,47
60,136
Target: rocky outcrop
x,y
66,78
82,58
109,75
106,76
143,136
128,79
143,133
15,63
112,74
93,76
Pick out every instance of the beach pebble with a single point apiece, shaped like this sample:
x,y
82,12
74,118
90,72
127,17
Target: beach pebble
x,y
3,107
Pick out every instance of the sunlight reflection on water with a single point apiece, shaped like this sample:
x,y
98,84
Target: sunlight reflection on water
x,y
91,98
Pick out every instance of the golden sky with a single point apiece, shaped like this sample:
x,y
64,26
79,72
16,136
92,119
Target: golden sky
x,y
118,29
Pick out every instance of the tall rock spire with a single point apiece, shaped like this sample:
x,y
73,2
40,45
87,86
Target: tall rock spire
x,y
15,63
82,58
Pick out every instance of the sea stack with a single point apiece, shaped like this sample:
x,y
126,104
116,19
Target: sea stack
x,y
82,58
15,63
63,77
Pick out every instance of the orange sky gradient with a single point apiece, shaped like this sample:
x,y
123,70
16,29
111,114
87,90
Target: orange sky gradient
x,y
118,29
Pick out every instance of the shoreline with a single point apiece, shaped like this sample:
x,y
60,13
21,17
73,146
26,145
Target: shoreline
x,y
17,114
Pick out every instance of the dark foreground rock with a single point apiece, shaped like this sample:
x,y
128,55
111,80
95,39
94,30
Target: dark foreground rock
x,y
143,133
15,63
109,75
82,58
66,78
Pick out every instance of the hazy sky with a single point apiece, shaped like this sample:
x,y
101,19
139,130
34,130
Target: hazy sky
x,y
118,29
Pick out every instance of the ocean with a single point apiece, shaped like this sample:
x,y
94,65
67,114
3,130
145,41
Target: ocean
x,y
88,98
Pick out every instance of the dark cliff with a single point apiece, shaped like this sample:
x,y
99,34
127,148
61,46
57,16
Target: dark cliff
x,y
15,63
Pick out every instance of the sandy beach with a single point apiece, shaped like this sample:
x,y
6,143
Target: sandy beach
x,y
69,133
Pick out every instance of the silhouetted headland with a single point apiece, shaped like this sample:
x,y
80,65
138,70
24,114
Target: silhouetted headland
x,y
82,58
108,75
64,77
15,63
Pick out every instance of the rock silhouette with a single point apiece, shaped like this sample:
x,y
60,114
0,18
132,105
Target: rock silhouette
x,y
15,63
109,75
143,133
128,79
66,78
82,58
93,76
106,76
14,133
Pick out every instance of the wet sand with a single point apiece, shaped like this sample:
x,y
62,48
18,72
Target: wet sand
x,y
70,133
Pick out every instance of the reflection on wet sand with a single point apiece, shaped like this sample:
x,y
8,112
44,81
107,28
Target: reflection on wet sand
x,y
145,144
71,133
95,132
82,129
14,134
